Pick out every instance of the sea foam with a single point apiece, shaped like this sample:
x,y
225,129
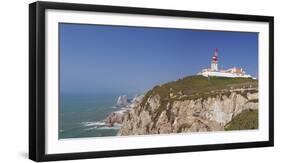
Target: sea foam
x,y
88,124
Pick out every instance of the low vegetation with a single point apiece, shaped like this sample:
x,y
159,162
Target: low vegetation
x,y
198,85
195,87
246,120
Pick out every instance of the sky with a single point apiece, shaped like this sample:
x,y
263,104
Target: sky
x,y
119,59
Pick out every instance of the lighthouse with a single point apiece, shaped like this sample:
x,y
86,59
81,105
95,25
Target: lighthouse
x,y
214,62
234,72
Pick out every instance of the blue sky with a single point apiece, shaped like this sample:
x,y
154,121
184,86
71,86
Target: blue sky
x,y
100,59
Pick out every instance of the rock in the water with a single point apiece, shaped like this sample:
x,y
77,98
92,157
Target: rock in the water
x,y
122,101
117,117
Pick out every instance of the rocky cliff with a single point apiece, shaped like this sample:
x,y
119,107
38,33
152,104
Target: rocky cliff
x,y
193,104
117,117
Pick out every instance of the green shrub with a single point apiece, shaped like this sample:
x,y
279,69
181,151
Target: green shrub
x,y
246,120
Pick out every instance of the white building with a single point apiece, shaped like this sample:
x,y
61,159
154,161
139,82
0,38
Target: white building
x,y
230,73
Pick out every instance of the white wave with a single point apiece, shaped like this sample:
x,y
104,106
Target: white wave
x,y
91,128
98,123
103,126
120,111
108,127
117,125
125,108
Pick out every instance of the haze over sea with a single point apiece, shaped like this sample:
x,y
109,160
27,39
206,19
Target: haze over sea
x,y
82,115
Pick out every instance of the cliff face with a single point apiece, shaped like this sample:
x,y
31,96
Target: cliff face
x,y
117,117
173,109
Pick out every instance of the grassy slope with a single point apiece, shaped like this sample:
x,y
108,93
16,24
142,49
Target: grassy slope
x,y
248,119
199,85
194,87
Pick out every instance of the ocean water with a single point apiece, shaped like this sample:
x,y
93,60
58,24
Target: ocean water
x,y
82,115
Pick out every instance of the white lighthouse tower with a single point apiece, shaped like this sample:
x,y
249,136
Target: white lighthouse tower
x,y
229,73
214,63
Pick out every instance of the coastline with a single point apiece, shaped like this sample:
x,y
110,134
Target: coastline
x,y
83,116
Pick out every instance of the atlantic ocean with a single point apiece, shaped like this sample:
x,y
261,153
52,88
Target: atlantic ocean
x,y
82,115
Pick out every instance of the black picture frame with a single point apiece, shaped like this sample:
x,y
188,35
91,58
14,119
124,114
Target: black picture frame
x,y
37,80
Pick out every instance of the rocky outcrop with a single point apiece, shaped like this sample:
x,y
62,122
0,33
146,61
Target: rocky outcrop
x,y
117,117
114,118
122,100
156,115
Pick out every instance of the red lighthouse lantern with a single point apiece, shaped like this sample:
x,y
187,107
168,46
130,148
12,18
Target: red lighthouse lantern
x,y
215,57
214,64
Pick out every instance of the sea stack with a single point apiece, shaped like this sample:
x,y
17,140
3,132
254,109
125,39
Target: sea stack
x,y
122,101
